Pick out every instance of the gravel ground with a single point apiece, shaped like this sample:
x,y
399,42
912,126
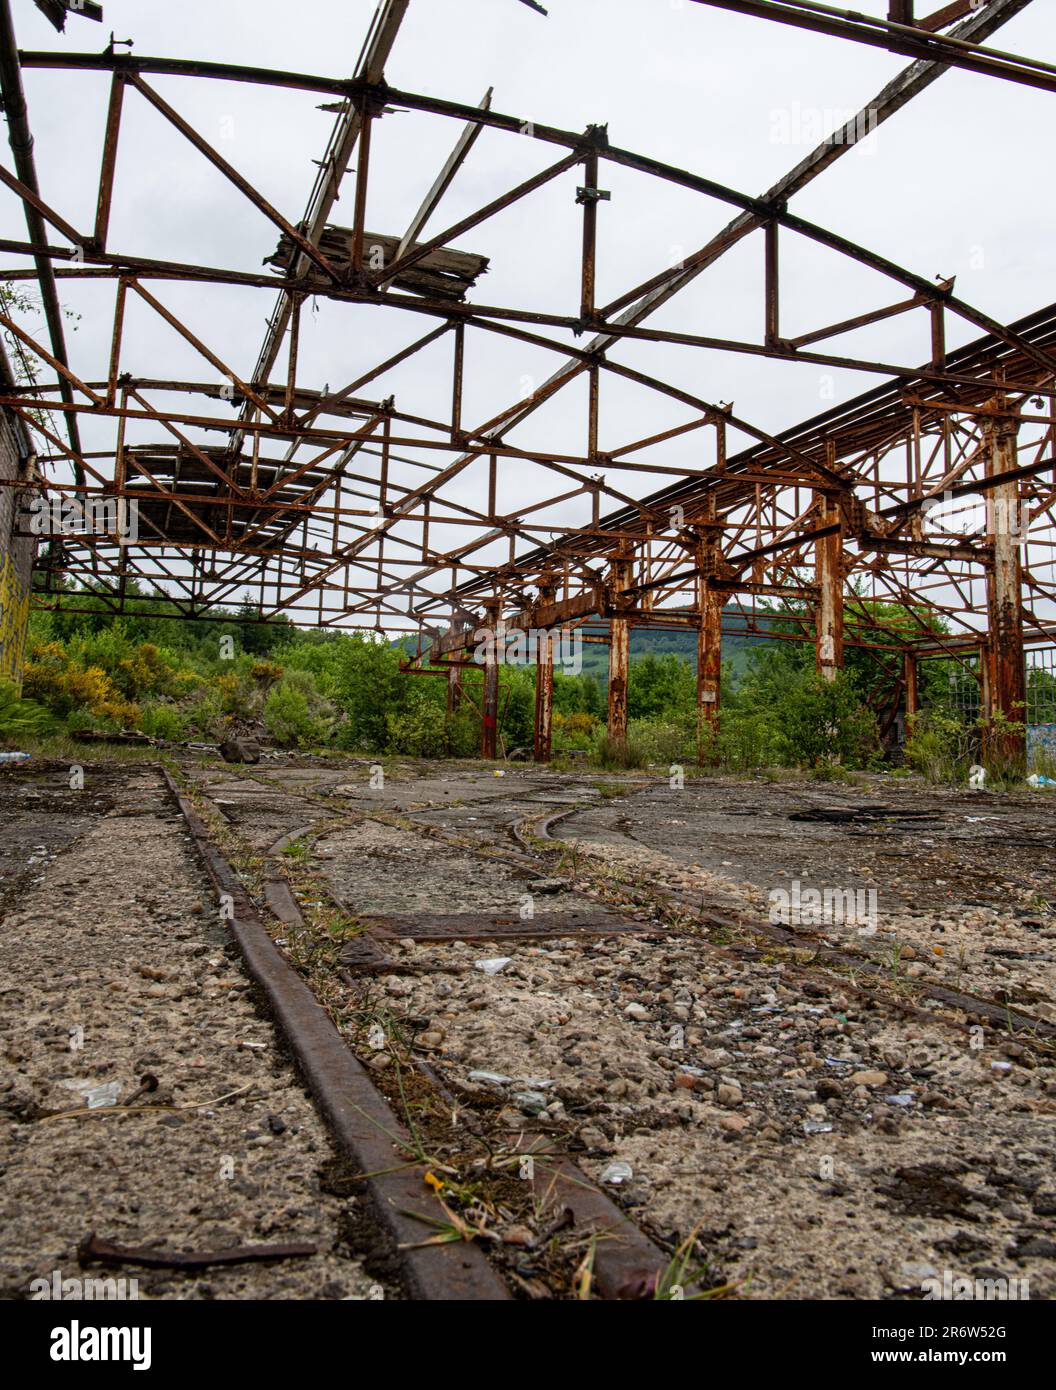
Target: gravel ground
x,y
961,882
820,1138
821,1149
821,1143
113,967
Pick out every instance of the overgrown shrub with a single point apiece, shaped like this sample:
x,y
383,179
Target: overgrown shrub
x,y
164,721
295,713
463,733
821,720
749,739
665,741
20,718
61,683
420,731
266,672
614,753
941,745
369,687
574,730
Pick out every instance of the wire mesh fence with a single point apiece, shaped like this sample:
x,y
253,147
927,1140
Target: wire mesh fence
x,y
1041,685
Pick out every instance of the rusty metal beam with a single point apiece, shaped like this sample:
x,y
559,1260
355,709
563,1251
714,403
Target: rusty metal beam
x,y
907,39
1006,687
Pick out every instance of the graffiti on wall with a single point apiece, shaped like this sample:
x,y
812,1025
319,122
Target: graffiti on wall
x,y
1041,743
14,618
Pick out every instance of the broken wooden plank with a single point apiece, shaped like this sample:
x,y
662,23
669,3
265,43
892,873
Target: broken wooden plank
x,y
444,273
94,1250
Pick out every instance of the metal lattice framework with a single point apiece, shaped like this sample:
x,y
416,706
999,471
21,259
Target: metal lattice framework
x,y
346,508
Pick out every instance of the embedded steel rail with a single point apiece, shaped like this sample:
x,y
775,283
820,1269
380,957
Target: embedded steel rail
x,y
363,1125
627,1263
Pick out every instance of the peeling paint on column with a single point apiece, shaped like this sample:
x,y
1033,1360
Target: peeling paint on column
x,y
14,619
16,558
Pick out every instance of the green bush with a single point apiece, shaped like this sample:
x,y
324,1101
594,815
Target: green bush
x,y
419,732
665,741
576,730
661,686
614,754
164,721
21,718
369,687
821,720
940,745
295,714
517,706
463,733
749,739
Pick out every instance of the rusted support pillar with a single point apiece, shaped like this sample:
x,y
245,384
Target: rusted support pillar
x,y
828,565
711,598
454,686
709,669
544,681
619,653
544,697
588,196
910,680
1007,684
489,722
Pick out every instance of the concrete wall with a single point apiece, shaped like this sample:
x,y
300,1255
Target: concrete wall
x,y
16,552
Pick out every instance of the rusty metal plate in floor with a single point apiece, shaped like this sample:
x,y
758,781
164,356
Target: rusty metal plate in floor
x,y
361,955
483,926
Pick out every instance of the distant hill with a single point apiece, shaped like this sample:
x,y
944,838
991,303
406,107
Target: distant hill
x,y
736,646
736,650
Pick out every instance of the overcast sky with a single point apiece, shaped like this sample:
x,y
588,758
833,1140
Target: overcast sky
x,y
959,183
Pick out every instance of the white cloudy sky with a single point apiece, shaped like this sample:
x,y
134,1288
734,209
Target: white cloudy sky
x,y
958,183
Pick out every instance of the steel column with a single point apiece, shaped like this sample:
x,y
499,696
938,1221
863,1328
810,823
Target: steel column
x,y
619,650
710,601
544,682
489,723
828,563
910,677
454,688
1007,669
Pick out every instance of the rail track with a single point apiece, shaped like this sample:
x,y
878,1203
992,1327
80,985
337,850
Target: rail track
x,y
391,1167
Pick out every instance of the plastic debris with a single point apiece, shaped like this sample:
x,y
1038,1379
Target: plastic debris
x,y
816,1127
15,757
490,1078
903,1098
1002,1067
616,1173
1038,779
493,964
531,1102
95,1094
